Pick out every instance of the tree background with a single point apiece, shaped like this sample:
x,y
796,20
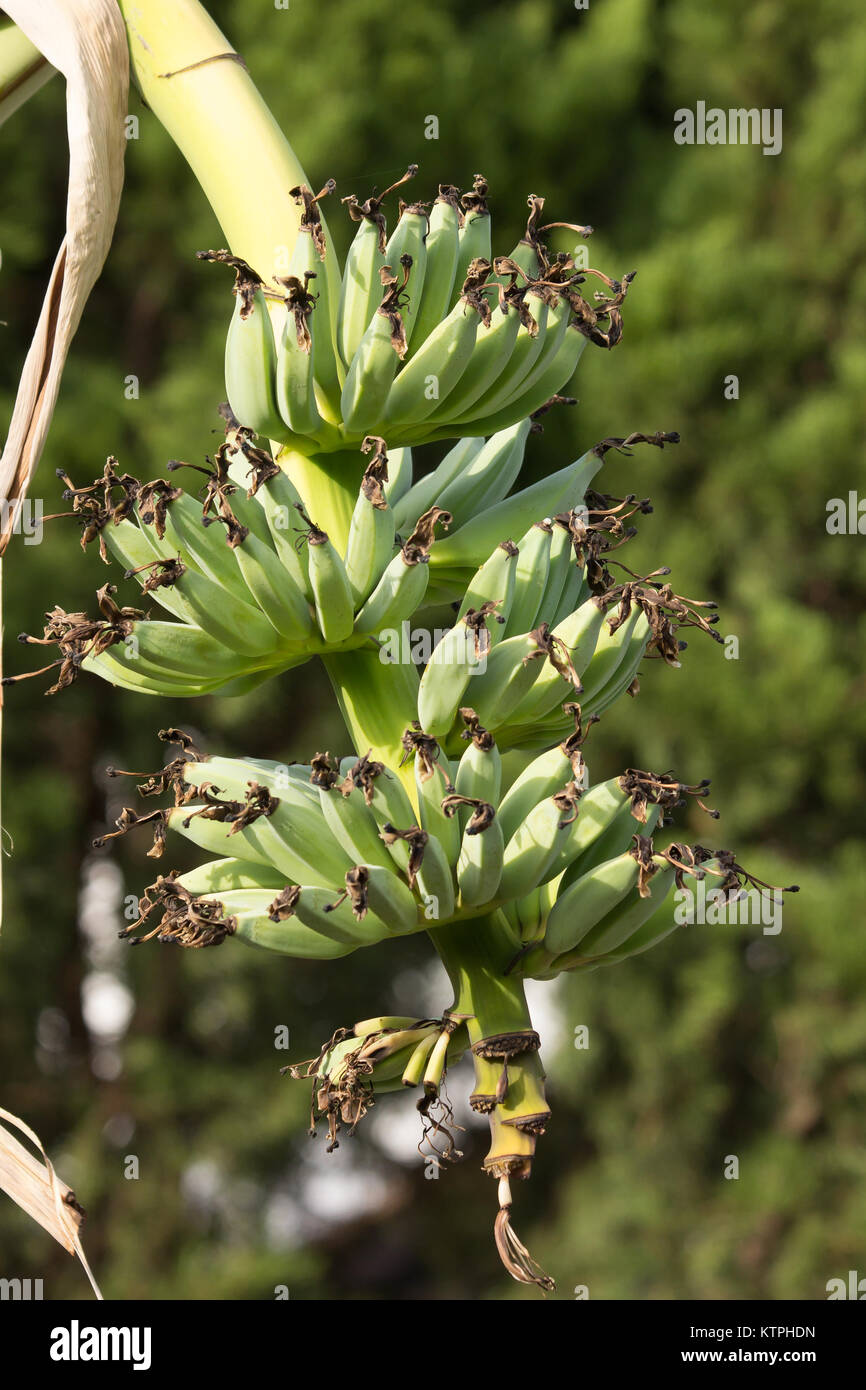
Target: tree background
x,y
721,1042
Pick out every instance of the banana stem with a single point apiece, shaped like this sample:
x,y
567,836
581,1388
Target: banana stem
x,y
476,954
328,485
199,89
378,701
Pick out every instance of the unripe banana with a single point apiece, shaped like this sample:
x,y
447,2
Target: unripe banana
x,y
494,582
560,565
398,594
488,476
238,625
426,492
474,235
587,901
371,531
374,365
627,672
426,382
361,290
218,876
436,883
618,925
283,604
442,253
549,377
459,655
575,641
296,397
543,777
533,568
479,863
399,476
434,780
202,547
534,845
329,584
479,772
310,257
511,669
476,538
491,353
353,826
610,652
403,585
319,939
409,238
529,342
251,354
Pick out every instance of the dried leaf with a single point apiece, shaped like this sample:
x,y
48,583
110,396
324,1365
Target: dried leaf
x,y
86,41
37,1189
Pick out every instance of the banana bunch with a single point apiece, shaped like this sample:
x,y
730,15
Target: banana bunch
x,y
256,587
433,336
316,860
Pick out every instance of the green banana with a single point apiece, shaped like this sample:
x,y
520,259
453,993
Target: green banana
x,y
511,669
533,569
534,845
586,901
399,475
251,354
494,582
374,365
296,396
409,238
611,650
529,342
403,585
574,645
329,584
550,376
510,517
479,772
488,475
460,654
309,258
225,875
473,240
426,492
425,383
442,252
371,531
436,882
361,292
480,861
282,602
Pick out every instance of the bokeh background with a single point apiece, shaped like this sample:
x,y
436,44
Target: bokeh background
x,y
723,1041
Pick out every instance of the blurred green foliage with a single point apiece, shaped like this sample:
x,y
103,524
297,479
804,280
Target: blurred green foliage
x,y
722,1042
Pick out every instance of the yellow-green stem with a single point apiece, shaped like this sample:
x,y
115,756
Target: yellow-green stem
x,y
199,89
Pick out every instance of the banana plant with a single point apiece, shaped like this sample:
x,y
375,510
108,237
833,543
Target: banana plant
x,y
462,804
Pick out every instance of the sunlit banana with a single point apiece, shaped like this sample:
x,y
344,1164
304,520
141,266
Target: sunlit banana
x,y
488,476
533,846
409,238
442,253
374,365
251,354
494,582
371,532
425,492
474,235
433,373
361,291
533,568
